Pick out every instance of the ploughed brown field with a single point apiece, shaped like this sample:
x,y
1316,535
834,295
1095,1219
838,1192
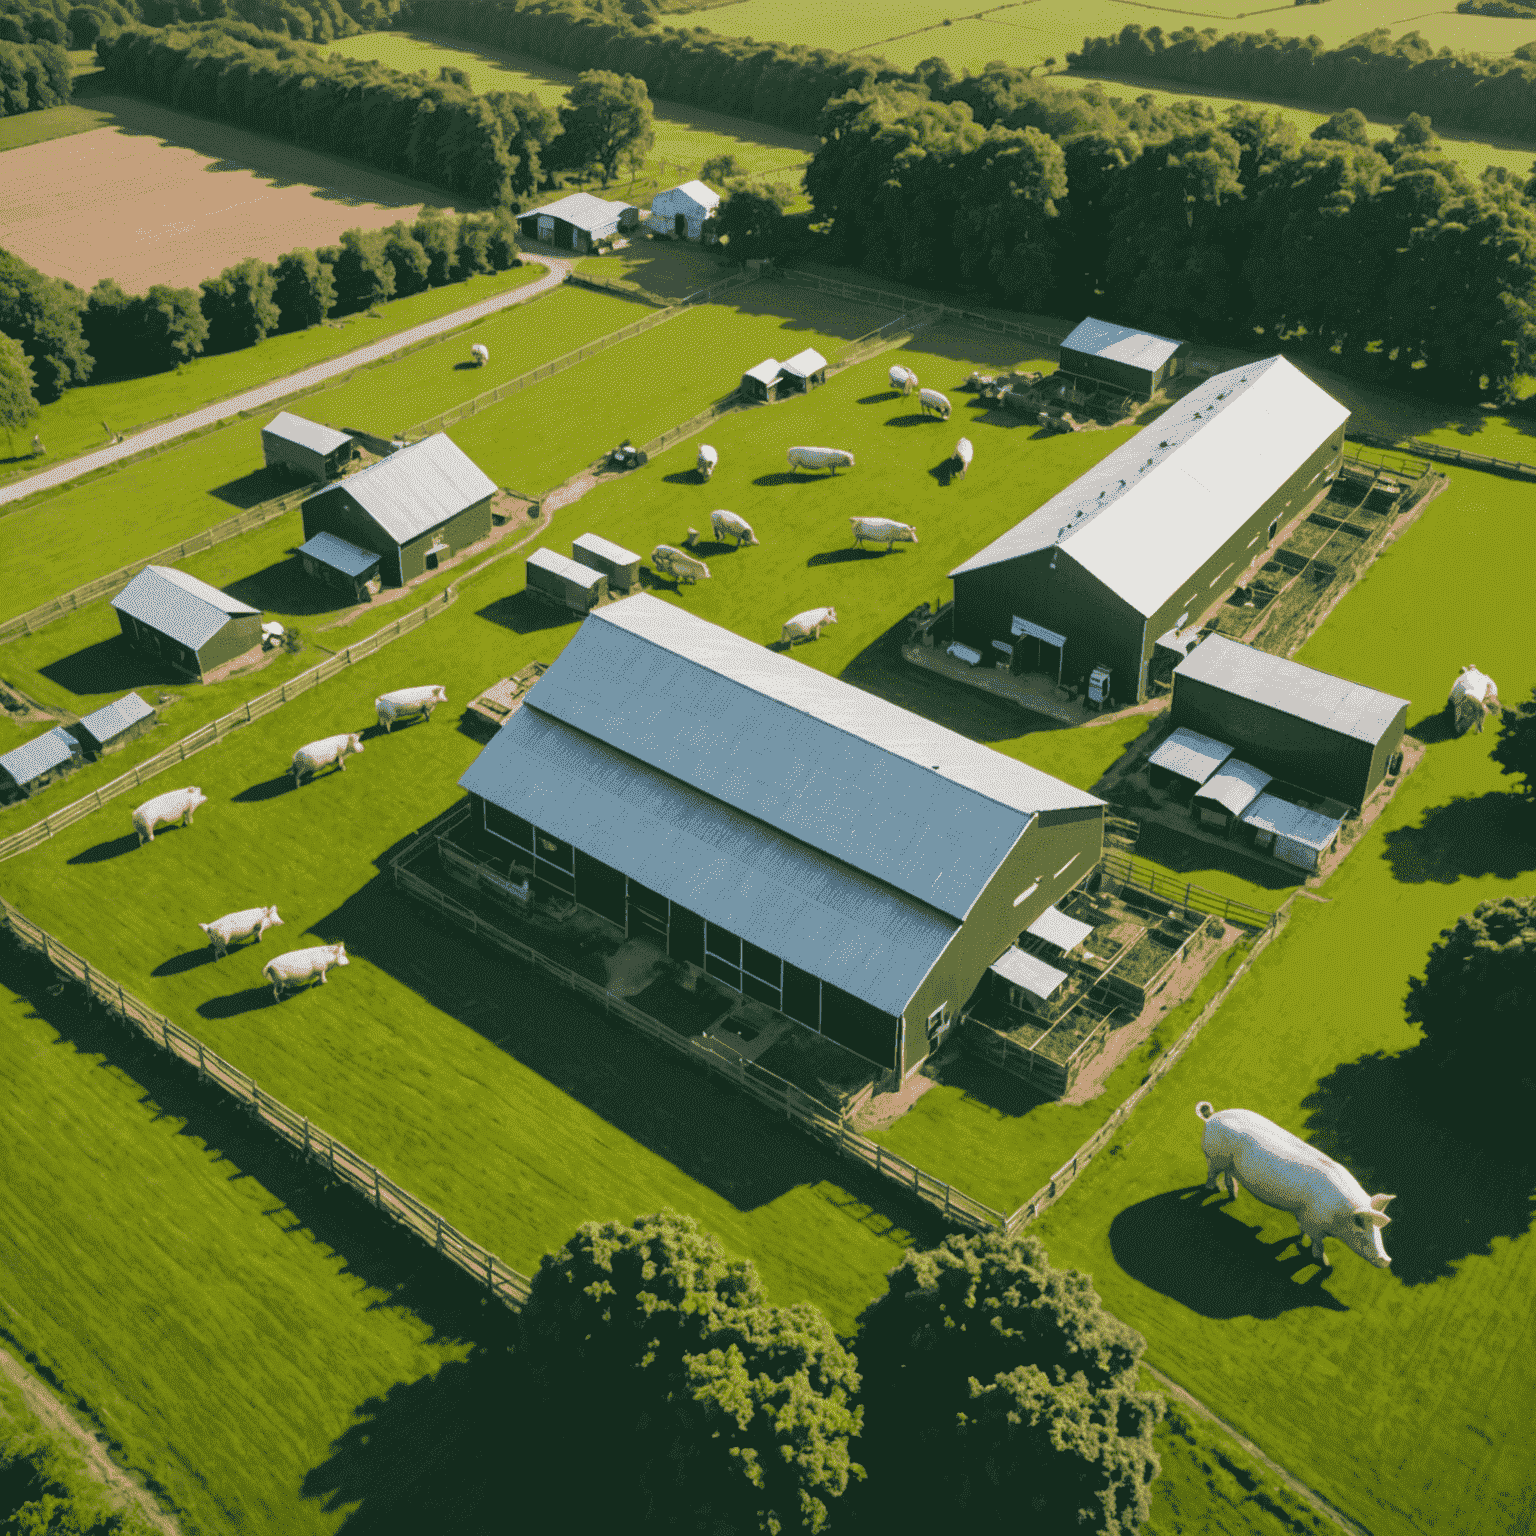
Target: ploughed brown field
x,y
163,197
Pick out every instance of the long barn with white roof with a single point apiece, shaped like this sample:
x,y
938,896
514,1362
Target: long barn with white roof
x,y
1155,533
848,864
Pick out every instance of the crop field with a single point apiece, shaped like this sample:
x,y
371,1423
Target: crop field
x,y
63,539
74,423
685,136
51,123
184,197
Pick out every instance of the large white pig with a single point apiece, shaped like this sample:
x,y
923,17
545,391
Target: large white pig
x,y
1283,1171
174,805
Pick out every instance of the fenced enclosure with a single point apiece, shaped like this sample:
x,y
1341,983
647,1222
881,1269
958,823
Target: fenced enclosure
x,y
1513,468
1127,878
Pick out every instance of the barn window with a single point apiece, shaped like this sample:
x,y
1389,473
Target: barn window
x,y
938,1023
1274,528
802,996
512,829
685,941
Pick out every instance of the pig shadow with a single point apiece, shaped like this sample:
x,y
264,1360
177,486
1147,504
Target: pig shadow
x,y
798,477
179,965
463,367
251,1000
1196,1249
1434,728
1403,1127
111,850
915,419
945,470
685,477
843,556
880,398
268,789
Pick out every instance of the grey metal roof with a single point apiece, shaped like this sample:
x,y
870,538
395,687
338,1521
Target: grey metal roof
x,y
805,363
564,567
113,719
1103,338
1309,828
615,554
32,759
1190,755
1151,512
1319,697
188,610
766,371
582,210
307,434
1056,928
887,792
418,488
787,897
1235,785
339,554
1028,971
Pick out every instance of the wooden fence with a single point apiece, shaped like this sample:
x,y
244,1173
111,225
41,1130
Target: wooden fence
x,y
338,1159
109,586
1447,455
1125,871
178,752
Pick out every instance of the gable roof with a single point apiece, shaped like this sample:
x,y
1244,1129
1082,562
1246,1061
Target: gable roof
x,y
417,489
581,210
113,719
307,434
564,567
596,544
339,554
32,759
1312,829
718,861
884,791
805,363
1157,507
1189,754
1303,692
1121,344
766,372
1235,785
175,604
705,197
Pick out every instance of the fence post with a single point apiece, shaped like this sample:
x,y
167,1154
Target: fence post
x,y
202,1070
879,1153
377,1198
439,1244
306,1136
1187,889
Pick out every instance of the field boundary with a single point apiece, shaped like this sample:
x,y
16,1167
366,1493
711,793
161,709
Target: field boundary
x,y
216,730
1513,468
1119,865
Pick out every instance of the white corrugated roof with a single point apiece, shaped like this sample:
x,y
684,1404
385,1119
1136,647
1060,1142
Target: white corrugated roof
x,y
1055,927
339,554
563,566
175,604
780,893
920,807
705,197
1157,508
1235,785
614,553
418,488
1190,755
804,364
1309,828
1025,970
115,718
307,434
766,371
582,211
1103,338
32,759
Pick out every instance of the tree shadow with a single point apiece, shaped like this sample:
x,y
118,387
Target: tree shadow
x,y
1434,728
843,556
110,666
112,848
525,614
1489,834
190,960
248,1000
1197,1251
1389,1120
247,491
284,588
268,789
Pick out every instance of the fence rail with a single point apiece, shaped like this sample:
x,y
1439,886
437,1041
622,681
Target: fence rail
x,y
108,586
1123,868
336,1157
1514,468
206,736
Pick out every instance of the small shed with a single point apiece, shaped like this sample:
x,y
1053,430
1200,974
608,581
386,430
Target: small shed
x,y
333,561
1184,761
577,222
314,451
114,725
1291,832
1061,932
762,382
1221,801
621,566
184,622
804,371
567,582
683,210
1100,352
1026,978
34,764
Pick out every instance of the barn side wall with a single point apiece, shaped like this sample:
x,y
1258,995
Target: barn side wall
x,y
335,511
460,531
1107,370
238,635
279,452
1391,740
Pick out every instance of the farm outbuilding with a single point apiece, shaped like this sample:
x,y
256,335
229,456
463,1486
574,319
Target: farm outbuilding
x,y
1184,761
621,566
577,222
809,845
336,563
114,725
37,763
1100,352
804,371
681,211
312,450
762,382
1308,728
412,509
1293,833
558,579
1157,532
184,622
1223,799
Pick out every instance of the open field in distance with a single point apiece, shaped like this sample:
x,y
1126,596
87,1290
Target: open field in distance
x,y
51,123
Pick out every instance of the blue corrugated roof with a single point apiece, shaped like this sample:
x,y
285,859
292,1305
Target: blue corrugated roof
x,y
782,894
115,718
32,759
1103,338
417,488
178,605
339,554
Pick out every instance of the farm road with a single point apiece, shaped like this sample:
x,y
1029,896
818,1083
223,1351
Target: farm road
x,y
279,389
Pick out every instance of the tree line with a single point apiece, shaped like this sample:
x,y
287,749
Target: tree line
x,y
78,26
1373,73
32,76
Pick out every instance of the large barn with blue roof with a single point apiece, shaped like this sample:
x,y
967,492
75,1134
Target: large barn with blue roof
x,y
851,865
1156,533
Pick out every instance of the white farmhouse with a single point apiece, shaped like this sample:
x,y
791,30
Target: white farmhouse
x,y
682,210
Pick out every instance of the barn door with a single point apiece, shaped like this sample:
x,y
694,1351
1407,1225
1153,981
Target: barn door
x,y
680,225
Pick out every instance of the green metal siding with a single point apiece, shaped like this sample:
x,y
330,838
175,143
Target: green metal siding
x,y
460,531
334,511
241,632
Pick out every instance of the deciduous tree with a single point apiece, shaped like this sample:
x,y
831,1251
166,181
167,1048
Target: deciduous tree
x,y
18,401
45,315
606,122
364,274
304,288
240,305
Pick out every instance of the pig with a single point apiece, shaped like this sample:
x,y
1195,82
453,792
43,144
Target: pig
x,y
1283,1171
174,805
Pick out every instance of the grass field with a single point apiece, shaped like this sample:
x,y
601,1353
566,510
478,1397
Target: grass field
x,y
51,123
73,423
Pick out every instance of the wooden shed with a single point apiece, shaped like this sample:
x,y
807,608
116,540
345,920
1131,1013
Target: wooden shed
x,y
566,582
621,566
314,451
763,381
336,563
114,725
37,763
804,371
184,622
1100,352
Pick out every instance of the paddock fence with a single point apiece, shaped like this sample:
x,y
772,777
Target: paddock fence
x,y
215,731
108,586
1125,872
1513,468
570,359
336,1158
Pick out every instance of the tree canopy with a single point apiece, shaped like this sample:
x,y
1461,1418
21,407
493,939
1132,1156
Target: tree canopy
x,y
18,403
1515,750
45,315
607,121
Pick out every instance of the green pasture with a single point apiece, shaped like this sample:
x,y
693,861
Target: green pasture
x,y
670,269
66,538
1409,1405
73,423
51,123
685,136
